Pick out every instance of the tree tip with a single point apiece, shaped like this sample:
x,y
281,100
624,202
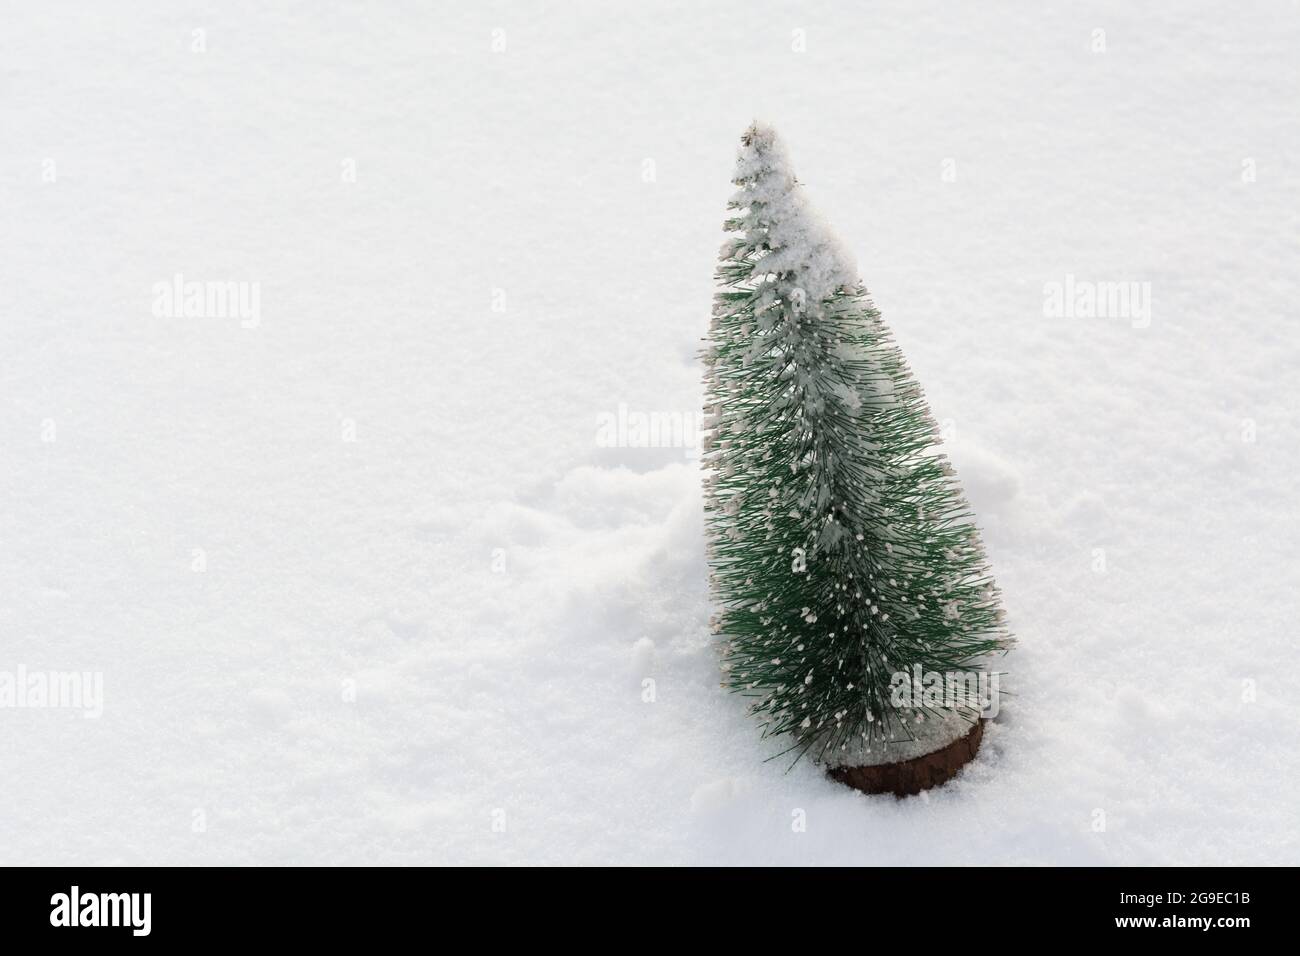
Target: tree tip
x,y
759,134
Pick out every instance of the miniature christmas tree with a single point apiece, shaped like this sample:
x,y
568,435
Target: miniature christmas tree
x,y
841,549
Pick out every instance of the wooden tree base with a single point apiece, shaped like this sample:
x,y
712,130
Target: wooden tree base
x,y
909,777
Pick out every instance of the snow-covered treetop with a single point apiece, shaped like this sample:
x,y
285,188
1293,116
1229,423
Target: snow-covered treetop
x,y
779,221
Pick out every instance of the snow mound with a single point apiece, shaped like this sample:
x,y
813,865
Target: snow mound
x,y
989,481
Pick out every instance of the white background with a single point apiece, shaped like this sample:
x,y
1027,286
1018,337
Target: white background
x,y
513,697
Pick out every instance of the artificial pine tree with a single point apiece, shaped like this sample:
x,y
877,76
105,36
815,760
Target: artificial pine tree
x,y
841,549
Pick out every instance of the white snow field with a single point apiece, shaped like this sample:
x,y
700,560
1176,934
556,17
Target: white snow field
x,y
364,580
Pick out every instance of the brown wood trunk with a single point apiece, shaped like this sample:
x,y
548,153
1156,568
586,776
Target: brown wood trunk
x,y
909,777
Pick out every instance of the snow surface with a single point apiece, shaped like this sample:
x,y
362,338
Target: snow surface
x,y
528,244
